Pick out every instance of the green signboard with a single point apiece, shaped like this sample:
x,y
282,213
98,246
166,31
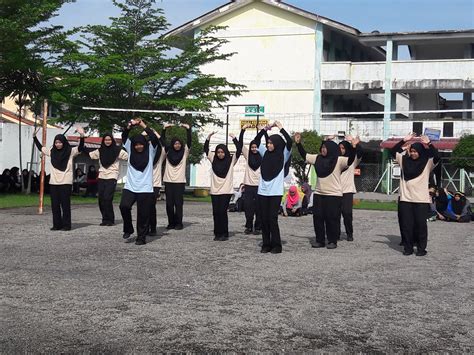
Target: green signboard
x,y
251,111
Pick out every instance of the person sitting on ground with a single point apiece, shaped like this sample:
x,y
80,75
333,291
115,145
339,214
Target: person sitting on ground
x,y
92,182
236,203
6,181
79,181
458,209
15,179
306,189
292,203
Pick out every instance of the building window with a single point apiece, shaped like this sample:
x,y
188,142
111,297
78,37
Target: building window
x,y
418,128
448,129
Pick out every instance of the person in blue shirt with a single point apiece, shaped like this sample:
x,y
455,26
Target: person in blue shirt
x,y
274,167
139,185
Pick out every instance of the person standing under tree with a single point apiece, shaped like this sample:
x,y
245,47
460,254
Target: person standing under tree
x,y
62,156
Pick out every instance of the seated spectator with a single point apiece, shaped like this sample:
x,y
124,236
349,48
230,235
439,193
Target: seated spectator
x,y
15,179
306,189
79,181
92,182
458,208
291,205
236,203
6,181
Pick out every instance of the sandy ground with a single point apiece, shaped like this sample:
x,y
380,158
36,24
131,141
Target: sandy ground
x,y
88,291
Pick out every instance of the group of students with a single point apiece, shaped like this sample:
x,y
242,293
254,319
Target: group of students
x,y
266,168
11,180
449,206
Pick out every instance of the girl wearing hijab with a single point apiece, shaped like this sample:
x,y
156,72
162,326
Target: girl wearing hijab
x,y
175,176
109,154
92,181
306,189
416,164
251,180
274,167
139,185
458,209
291,205
348,183
157,184
62,156
327,198
222,179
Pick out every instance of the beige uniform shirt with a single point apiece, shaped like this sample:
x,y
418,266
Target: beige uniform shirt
x,y
415,190
222,186
251,177
330,185
112,172
176,174
158,169
59,177
347,178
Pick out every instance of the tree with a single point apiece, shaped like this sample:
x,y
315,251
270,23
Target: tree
x,y
463,153
24,75
311,142
127,64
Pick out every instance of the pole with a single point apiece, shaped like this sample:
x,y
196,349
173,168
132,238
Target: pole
x,y
43,142
227,127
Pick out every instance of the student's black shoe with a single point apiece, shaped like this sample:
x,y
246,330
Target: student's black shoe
x,y
66,229
421,252
178,227
140,242
318,245
332,246
276,250
55,229
257,231
248,230
217,238
170,226
103,224
224,238
350,238
126,235
152,233
110,224
265,250
407,252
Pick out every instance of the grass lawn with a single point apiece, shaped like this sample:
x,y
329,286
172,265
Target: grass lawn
x,y
20,200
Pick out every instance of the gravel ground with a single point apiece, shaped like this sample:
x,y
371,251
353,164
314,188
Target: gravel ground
x,y
88,291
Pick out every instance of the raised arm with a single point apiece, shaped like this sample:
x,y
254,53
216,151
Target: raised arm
x,y
300,147
397,148
238,146
258,137
37,142
206,143
155,141
80,147
125,133
432,151
289,141
189,135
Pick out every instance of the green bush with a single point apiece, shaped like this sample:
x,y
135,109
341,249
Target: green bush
x,y
463,153
311,142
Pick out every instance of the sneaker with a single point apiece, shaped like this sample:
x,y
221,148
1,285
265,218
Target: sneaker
x,y
224,238
178,227
248,230
126,235
421,252
276,250
332,246
405,252
170,226
110,224
140,242
318,245
103,224
350,238
265,250
217,238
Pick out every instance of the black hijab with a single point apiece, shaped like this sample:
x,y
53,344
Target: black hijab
x,y
324,166
441,201
411,168
92,174
139,161
458,206
272,162
60,157
221,167
108,154
175,156
347,146
255,159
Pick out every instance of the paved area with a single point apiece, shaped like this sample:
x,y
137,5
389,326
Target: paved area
x,y
88,291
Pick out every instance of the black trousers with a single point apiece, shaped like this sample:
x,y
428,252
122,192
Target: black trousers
x,y
413,227
143,200
61,205
220,204
327,218
346,211
156,194
106,189
174,202
251,208
269,207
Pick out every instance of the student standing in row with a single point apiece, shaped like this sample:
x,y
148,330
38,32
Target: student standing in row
x,y
275,166
62,156
157,184
416,164
139,185
222,180
327,198
251,180
109,155
175,176
348,183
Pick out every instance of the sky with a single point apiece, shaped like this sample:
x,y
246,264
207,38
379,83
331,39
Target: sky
x,y
365,15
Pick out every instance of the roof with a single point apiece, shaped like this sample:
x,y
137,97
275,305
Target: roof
x,y
404,38
11,117
188,27
443,144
